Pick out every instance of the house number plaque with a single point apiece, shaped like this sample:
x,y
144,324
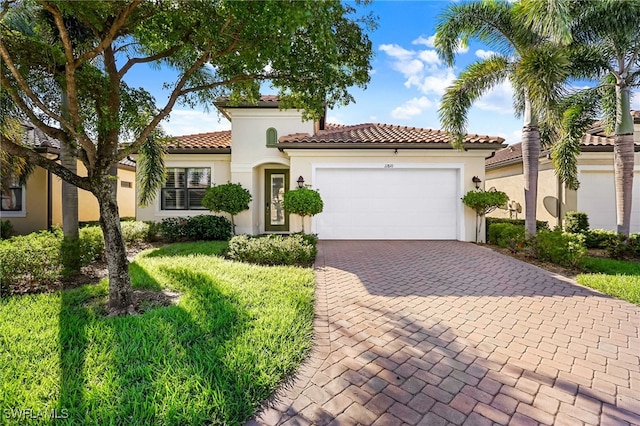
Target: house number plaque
x,y
388,166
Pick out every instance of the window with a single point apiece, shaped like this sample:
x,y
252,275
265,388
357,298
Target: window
x,y
126,184
272,137
12,197
185,188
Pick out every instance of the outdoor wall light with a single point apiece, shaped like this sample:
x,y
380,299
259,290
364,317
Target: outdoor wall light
x,y
477,181
300,182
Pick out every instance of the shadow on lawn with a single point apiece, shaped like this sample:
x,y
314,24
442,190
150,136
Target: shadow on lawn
x,y
168,365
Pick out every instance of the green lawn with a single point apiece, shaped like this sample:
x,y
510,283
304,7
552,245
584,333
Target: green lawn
x,y
614,277
237,331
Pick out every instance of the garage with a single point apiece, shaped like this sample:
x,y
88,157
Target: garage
x,y
388,201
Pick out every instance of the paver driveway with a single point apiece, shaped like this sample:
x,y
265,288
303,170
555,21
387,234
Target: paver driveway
x,y
445,332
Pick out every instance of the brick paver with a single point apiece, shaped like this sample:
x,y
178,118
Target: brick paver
x,y
445,332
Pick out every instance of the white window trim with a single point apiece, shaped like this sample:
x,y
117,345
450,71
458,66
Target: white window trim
x,y
17,213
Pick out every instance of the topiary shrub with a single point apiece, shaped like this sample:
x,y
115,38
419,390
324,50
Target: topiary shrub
x,y
507,235
272,250
483,202
576,222
303,202
230,198
559,247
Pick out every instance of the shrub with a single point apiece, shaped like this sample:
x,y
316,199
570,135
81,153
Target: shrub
x,y
576,222
230,198
91,244
207,227
599,238
622,247
303,202
33,257
135,231
507,235
560,247
483,202
173,229
540,224
272,250
6,229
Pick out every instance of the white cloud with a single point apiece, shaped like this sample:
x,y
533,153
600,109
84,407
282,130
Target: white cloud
x,y
333,119
635,101
499,99
411,108
397,52
429,56
187,122
373,118
485,54
431,42
427,41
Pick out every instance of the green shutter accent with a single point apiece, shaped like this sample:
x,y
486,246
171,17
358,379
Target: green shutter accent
x,y
272,136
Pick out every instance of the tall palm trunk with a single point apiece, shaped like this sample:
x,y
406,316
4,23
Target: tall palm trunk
x,y
120,292
623,160
530,159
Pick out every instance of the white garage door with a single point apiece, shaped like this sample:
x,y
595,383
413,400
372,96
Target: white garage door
x,y
597,198
388,203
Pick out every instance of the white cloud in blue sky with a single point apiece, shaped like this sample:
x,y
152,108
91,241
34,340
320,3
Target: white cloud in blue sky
x,y
484,54
411,108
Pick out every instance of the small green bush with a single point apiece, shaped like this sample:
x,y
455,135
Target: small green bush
x,y
600,238
559,247
576,222
91,244
272,250
6,229
483,202
507,235
201,227
33,257
540,224
230,198
207,227
622,247
135,231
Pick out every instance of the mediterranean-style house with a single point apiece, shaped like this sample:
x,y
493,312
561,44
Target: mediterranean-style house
x,y
377,181
37,205
596,195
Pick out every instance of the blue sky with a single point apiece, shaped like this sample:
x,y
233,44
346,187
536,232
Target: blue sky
x,y
406,84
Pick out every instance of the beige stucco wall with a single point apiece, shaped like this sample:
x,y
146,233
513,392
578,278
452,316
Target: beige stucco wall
x,y
220,174
470,163
34,215
88,209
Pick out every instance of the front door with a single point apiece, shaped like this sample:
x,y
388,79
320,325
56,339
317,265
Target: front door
x,y
276,184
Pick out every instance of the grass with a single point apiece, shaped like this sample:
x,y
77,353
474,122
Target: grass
x,y
616,278
236,333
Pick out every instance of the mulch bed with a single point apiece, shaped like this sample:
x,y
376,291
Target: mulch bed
x,y
525,257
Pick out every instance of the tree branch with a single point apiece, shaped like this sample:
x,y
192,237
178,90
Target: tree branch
x,y
37,159
118,23
166,53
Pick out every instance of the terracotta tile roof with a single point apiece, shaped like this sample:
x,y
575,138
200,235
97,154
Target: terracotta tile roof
x,y
201,141
381,134
505,155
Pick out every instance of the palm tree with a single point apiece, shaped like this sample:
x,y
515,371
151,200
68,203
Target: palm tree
x,y
536,68
608,33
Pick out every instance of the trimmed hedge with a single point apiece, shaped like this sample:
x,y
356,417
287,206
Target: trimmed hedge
x,y
272,250
575,222
507,235
540,224
202,227
559,247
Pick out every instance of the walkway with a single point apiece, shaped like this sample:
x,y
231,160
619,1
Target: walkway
x,y
449,333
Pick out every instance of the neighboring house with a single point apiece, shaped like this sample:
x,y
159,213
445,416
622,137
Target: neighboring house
x,y
377,181
38,204
596,195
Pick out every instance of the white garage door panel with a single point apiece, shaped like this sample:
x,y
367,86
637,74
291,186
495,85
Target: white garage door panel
x,y
364,203
597,198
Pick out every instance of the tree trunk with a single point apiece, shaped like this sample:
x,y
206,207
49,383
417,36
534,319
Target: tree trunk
x,y
530,159
120,292
623,160
69,196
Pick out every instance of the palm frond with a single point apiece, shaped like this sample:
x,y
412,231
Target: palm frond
x,y
551,19
472,83
490,22
11,166
150,169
